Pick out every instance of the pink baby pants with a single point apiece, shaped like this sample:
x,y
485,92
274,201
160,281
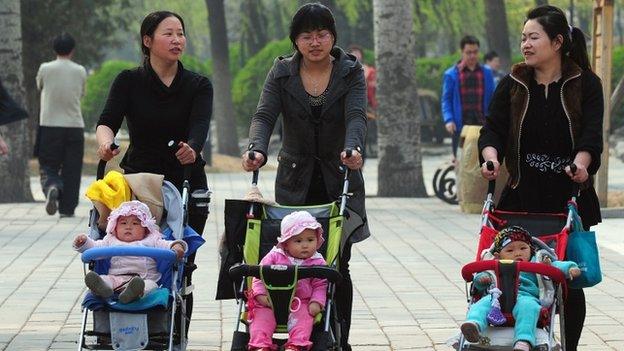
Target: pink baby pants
x,y
263,325
115,281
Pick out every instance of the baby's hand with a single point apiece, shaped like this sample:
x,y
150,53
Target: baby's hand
x,y
574,272
485,279
80,240
314,308
263,300
179,250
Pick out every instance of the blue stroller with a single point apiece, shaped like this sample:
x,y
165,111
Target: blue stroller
x,y
157,321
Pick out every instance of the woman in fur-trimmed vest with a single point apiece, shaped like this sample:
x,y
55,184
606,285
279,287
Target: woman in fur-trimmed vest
x,y
544,116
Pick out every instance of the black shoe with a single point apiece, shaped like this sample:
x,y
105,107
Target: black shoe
x,y
52,200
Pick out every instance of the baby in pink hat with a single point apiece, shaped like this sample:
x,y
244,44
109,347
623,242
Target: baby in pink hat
x,y
130,224
301,237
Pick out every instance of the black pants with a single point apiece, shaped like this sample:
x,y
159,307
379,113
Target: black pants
x,y
574,313
344,298
60,152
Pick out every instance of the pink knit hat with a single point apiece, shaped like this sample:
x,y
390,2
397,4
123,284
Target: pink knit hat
x,y
132,208
295,223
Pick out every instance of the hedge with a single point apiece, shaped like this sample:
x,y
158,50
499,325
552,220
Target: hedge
x,y
248,83
98,86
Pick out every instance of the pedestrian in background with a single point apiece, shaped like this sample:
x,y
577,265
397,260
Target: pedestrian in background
x,y
60,140
370,74
466,91
492,61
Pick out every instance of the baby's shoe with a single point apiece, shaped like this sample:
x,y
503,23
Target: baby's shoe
x,y
97,285
470,331
133,291
521,345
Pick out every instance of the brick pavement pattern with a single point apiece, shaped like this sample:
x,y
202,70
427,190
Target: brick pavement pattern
x,y
409,294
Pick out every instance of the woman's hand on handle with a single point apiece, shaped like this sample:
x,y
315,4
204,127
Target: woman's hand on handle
x,y
490,174
581,161
105,152
105,138
354,162
489,153
185,154
252,164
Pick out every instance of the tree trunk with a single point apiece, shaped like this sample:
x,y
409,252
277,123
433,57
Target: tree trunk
x,y
541,2
571,10
497,32
254,27
447,33
227,140
400,160
617,97
14,172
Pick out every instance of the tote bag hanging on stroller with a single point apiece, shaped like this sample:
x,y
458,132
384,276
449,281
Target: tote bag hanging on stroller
x,y
583,250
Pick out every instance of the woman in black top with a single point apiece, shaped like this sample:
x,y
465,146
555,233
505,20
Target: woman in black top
x,y
321,93
161,101
545,115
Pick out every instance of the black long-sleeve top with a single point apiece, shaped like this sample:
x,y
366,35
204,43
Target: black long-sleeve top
x,y
156,114
546,146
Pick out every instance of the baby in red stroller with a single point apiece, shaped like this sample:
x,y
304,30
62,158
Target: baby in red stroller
x,y
514,244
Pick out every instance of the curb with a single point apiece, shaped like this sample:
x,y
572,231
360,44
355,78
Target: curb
x,y
612,212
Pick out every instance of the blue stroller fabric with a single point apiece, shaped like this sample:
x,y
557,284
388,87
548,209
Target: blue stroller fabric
x,y
158,297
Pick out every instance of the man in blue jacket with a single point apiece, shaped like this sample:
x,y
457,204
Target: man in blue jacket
x,y
466,91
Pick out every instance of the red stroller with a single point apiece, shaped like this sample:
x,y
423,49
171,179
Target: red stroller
x,y
550,235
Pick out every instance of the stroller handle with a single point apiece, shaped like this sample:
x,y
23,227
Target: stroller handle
x,y
100,253
575,185
102,164
492,183
252,156
186,168
303,272
531,267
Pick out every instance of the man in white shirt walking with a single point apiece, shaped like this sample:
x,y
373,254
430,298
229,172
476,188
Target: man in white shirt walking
x,y
61,127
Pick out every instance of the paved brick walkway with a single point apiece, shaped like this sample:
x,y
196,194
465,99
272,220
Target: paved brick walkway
x,y
409,293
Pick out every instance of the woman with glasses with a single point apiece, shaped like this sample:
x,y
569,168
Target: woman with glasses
x,y
321,93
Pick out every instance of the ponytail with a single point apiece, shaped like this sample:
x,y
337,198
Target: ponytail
x,y
578,49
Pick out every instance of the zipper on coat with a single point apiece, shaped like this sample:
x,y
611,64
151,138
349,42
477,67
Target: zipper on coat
x,y
565,110
526,107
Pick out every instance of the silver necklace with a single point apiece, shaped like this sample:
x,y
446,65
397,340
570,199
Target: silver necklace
x,y
315,82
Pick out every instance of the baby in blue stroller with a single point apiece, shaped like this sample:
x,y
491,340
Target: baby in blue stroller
x,y
136,276
130,224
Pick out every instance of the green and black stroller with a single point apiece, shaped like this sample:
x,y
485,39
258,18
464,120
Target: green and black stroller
x,y
251,230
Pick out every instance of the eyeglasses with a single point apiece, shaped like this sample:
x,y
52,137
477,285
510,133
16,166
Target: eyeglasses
x,y
322,38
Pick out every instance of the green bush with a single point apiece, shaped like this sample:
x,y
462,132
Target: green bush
x,y
248,82
192,63
430,71
98,86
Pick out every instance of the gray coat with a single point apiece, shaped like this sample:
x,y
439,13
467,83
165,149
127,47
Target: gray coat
x,y
343,125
